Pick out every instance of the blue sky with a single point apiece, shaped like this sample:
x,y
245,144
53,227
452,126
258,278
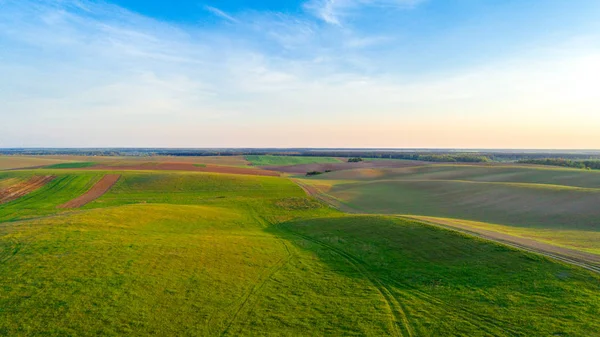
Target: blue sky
x,y
313,73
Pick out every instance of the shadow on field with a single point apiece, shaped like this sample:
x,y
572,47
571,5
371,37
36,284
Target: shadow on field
x,y
425,273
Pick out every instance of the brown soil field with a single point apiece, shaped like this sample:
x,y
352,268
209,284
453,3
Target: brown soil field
x,y
185,167
98,190
303,168
23,188
120,160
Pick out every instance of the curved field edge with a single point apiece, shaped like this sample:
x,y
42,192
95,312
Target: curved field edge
x,y
95,192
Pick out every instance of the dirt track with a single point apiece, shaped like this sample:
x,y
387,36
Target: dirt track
x,y
94,193
303,168
23,188
585,260
186,167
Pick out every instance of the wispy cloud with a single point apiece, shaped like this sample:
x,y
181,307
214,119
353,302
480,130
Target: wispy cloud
x,y
221,14
333,11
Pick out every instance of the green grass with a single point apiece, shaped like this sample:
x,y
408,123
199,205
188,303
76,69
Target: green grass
x,y
288,160
71,165
181,253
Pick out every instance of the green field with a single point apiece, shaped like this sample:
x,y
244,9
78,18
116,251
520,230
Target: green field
x,y
186,253
551,205
71,165
288,160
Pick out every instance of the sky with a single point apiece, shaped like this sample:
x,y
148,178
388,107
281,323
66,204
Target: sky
x,y
304,73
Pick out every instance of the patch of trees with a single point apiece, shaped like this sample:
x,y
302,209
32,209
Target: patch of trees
x,y
580,164
313,173
355,160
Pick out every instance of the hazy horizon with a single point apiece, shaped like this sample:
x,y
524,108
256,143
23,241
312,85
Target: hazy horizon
x,y
300,74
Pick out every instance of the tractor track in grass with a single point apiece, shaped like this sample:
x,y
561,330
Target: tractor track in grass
x,y
400,323
257,287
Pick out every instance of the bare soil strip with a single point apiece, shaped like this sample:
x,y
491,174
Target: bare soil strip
x,y
584,260
303,168
186,167
98,190
23,188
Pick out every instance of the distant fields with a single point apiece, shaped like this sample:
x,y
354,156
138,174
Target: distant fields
x,y
288,160
210,254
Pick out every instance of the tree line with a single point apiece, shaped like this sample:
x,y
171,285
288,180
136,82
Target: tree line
x,y
580,164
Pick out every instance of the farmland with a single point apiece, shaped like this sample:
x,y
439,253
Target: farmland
x,y
172,252
269,160
555,206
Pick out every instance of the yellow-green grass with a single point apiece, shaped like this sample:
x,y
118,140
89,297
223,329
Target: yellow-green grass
x,y
269,160
16,162
206,270
180,253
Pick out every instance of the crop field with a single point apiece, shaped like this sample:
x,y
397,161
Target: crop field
x,y
288,160
208,254
15,162
556,206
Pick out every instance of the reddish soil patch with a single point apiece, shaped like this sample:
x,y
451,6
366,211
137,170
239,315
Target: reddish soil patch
x,y
187,167
303,168
94,193
23,188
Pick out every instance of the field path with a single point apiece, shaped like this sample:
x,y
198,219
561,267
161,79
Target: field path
x,y
400,323
98,190
23,188
584,260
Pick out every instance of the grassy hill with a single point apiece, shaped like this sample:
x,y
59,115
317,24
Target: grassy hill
x,y
552,205
182,253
